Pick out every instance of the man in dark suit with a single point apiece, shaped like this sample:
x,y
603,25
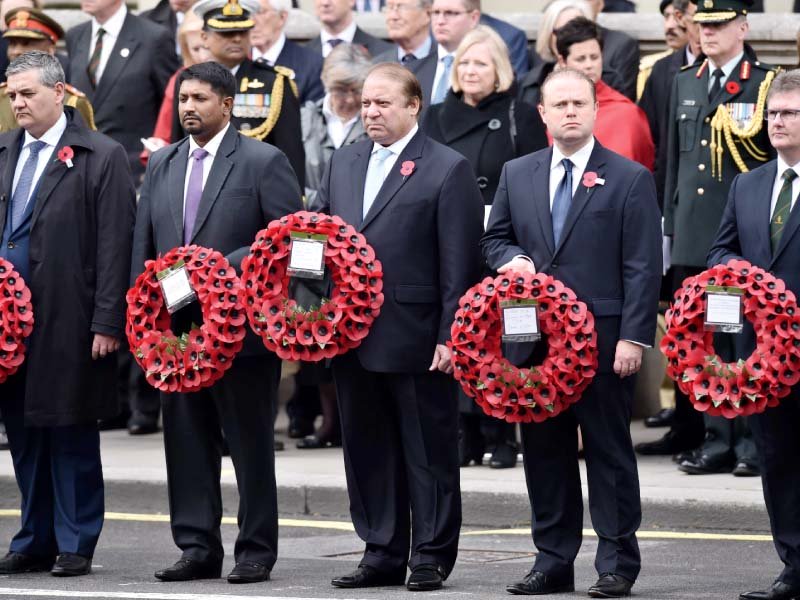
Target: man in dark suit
x,y
399,411
408,24
620,56
169,14
581,235
271,46
516,40
760,225
247,185
60,216
726,89
114,55
338,25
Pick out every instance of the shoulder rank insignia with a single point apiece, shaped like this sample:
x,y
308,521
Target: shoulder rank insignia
x,y
702,69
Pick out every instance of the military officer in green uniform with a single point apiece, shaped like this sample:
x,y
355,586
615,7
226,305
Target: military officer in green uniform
x,y
265,107
716,131
30,29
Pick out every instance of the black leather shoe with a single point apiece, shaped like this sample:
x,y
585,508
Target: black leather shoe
x,y
611,585
662,418
14,562
669,443
248,571
425,578
682,456
312,442
746,468
3,438
187,569
504,456
71,565
366,576
299,428
706,464
142,424
537,583
777,591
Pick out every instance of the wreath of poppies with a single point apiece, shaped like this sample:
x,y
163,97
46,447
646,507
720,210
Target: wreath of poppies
x,y
746,386
503,390
196,359
340,322
16,319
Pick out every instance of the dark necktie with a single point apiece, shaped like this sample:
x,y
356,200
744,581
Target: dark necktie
x,y
334,42
194,191
562,201
94,61
782,209
20,197
407,58
716,84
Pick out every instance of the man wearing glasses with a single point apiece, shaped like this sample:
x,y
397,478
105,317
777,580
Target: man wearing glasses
x,y
759,225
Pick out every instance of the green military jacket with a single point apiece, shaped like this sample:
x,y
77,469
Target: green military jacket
x,y
72,97
708,145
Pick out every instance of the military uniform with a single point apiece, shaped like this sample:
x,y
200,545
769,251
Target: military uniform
x,y
72,97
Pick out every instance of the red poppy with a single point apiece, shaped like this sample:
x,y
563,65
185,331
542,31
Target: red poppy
x,y
732,87
16,319
66,154
407,168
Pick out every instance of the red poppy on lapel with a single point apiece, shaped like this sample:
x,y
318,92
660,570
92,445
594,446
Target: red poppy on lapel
x,y
65,155
407,168
590,179
732,87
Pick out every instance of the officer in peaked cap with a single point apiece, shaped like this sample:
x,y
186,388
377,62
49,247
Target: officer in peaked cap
x,y
716,131
265,108
30,29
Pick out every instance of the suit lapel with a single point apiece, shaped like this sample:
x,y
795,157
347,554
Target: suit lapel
x,y
394,180
11,156
762,211
789,229
220,168
116,62
176,178
540,184
582,193
354,210
80,61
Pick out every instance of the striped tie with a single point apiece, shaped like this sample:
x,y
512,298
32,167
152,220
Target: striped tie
x,y
94,61
782,208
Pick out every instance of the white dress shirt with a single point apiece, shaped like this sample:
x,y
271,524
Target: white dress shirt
x,y
776,187
51,138
579,161
212,147
112,28
396,149
690,58
337,129
272,53
346,35
727,69
442,52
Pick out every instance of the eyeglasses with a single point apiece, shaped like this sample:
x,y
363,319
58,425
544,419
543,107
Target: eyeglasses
x,y
447,15
787,116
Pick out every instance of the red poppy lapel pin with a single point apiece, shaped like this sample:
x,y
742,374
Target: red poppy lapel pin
x,y
407,168
65,155
732,87
590,179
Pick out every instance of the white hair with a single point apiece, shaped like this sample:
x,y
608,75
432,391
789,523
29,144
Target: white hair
x,y
281,5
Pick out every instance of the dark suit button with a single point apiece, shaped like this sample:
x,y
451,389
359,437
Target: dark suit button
x,y
483,182
554,266
11,245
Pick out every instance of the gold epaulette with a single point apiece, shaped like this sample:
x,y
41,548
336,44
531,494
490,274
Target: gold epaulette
x,y
289,74
646,67
275,104
74,91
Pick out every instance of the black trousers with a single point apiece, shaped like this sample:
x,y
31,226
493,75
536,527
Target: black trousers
x,y
776,436
240,404
554,485
400,439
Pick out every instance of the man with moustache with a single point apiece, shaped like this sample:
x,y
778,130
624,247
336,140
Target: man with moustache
x,y
418,205
217,188
674,36
545,219
760,225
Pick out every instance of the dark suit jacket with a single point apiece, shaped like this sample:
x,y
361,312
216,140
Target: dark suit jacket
x,y
162,14
620,61
128,96
250,184
744,233
373,45
390,55
610,249
72,250
307,67
425,229
425,70
516,41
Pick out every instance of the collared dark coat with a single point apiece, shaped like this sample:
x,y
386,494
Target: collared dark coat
x,y
79,261
482,133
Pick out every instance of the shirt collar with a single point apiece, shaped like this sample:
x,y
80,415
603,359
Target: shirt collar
x,y
212,147
50,137
400,145
442,52
690,58
782,166
579,159
728,67
346,35
421,52
273,52
114,24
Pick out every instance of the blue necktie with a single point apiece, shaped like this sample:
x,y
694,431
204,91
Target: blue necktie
x,y
19,200
444,81
562,200
375,177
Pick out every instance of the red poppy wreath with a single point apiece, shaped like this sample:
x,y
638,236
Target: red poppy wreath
x,y
747,386
503,390
339,323
16,319
197,359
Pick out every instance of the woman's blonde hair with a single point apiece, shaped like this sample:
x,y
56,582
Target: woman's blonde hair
x,y
191,24
549,17
504,72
